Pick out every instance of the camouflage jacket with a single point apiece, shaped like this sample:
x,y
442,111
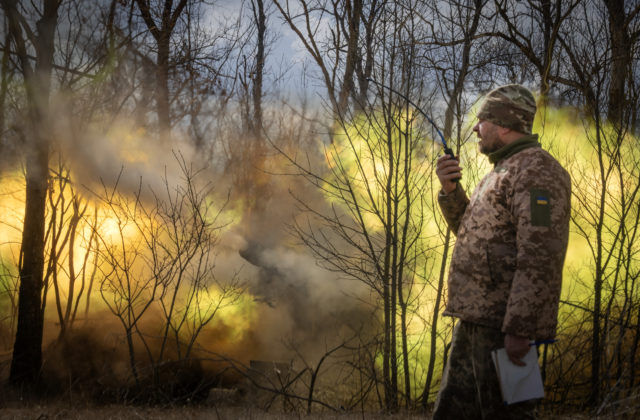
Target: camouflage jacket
x,y
506,268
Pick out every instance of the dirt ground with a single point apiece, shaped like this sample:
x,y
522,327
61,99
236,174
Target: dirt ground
x,y
208,413
186,413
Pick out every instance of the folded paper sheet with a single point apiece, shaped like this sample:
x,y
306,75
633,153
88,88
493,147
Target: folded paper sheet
x,y
518,383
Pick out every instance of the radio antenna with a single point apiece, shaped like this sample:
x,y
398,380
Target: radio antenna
x,y
447,149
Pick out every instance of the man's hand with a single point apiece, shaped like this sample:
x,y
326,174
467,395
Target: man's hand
x,y
448,169
517,347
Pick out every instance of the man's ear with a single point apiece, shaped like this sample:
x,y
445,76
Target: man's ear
x,y
504,131
508,134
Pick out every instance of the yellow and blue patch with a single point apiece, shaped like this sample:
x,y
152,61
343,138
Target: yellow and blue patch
x,y
540,207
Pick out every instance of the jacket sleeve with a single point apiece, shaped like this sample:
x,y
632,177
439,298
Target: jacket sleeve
x,y
453,206
540,208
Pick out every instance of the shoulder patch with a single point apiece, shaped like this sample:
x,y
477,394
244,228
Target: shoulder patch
x,y
540,207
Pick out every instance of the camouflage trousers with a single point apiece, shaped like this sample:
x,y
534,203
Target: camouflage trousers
x,y
469,387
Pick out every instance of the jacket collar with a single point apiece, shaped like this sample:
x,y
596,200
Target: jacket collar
x,y
524,142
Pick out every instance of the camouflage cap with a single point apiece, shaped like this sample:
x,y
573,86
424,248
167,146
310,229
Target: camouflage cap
x,y
510,106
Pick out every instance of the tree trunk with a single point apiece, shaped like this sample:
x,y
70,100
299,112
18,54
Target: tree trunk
x,y
4,85
162,85
620,60
353,16
27,350
162,32
434,320
260,20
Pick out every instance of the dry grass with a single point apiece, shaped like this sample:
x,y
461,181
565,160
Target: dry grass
x,y
230,404
232,409
178,413
620,410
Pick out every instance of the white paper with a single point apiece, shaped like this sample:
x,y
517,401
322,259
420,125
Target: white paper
x,y
518,383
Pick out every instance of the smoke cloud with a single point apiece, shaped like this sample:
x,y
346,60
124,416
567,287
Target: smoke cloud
x,y
291,308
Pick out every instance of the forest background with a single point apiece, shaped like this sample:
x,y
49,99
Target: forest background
x,y
200,195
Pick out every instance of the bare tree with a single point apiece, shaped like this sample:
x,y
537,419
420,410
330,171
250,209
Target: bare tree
x,y
8,301
331,31
376,180
248,155
67,220
187,59
161,22
161,259
27,352
5,78
534,28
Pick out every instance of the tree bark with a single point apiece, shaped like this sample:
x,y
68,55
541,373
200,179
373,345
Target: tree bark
x,y
621,60
162,32
27,350
260,19
4,85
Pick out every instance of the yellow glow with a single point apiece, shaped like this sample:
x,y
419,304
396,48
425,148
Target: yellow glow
x,y
130,143
239,315
360,154
113,231
12,198
360,167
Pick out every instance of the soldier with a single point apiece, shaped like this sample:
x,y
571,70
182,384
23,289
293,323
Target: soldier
x,y
506,269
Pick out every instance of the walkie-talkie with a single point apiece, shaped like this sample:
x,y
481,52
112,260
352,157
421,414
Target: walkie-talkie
x,y
448,151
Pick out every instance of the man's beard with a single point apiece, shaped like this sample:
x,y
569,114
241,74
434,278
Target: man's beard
x,y
492,144
487,149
